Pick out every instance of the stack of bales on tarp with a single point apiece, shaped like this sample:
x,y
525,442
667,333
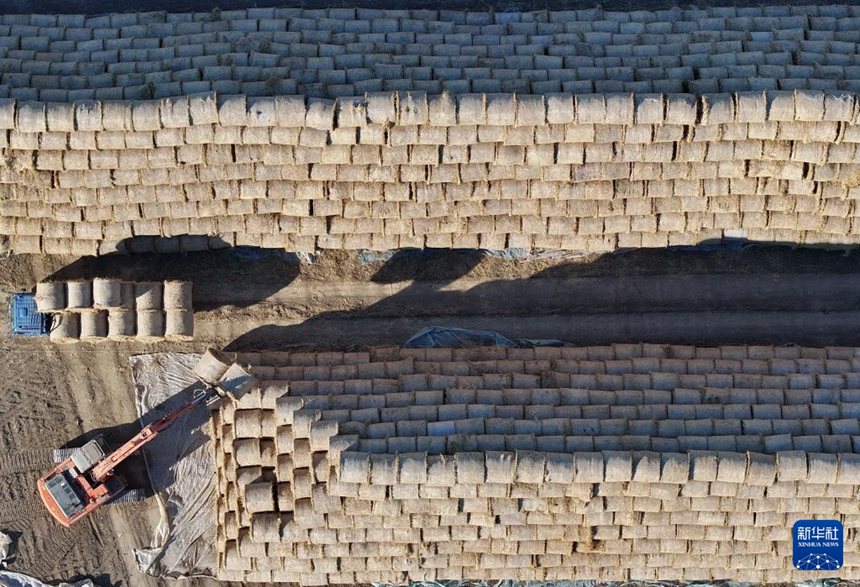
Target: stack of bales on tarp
x,y
615,463
110,308
369,129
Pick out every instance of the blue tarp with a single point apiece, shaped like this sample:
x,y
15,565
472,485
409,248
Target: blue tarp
x,y
445,337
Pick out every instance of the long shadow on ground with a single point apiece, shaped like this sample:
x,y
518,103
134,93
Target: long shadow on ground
x,y
750,295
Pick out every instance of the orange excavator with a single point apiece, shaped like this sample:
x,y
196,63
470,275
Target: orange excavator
x,y
87,480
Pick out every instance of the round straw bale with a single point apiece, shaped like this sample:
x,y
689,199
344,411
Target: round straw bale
x,y
301,452
177,294
718,109
227,434
809,105
266,527
381,108
94,324
284,438
179,323
269,424
792,466
351,112
248,423
559,468
150,323
839,106
590,108
531,466
761,469
681,109
260,497
732,467
501,109
413,468
51,296
780,106
127,295
107,293
247,451
240,384
559,109
354,467
675,468
823,467
500,467
247,547
79,294
321,434
588,467
647,468
618,466
231,525
65,326
383,469
320,114
442,110
233,561
271,391
268,453
470,468
703,466
412,108
212,366
149,295
228,412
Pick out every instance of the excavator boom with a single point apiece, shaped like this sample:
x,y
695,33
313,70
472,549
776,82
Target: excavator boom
x,y
105,468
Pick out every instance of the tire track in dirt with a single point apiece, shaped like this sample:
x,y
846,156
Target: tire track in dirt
x,y
35,459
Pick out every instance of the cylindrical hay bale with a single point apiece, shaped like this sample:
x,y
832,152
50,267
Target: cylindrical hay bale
x,y
247,451
121,322
354,467
107,293
260,497
51,296
177,294
66,326
471,470
248,423
179,322
127,295
150,323
94,323
79,294
269,424
212,366
149,295
266,526
268,453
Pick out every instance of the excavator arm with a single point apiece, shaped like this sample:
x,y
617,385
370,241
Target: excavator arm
x,y
104,469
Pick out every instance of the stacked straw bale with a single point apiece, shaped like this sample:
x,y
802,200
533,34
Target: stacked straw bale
x,y
617,462
107,308
353,129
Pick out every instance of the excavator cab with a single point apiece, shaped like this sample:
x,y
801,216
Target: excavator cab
x,y
69,493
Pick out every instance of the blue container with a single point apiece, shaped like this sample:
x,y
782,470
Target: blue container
x,y
26,319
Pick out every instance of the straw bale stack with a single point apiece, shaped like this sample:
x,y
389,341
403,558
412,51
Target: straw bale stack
x,y
539,482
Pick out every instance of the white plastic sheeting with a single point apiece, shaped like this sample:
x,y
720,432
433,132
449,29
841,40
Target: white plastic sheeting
x,y
181,466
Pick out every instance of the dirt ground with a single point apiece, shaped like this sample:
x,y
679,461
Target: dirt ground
x,y
249,300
